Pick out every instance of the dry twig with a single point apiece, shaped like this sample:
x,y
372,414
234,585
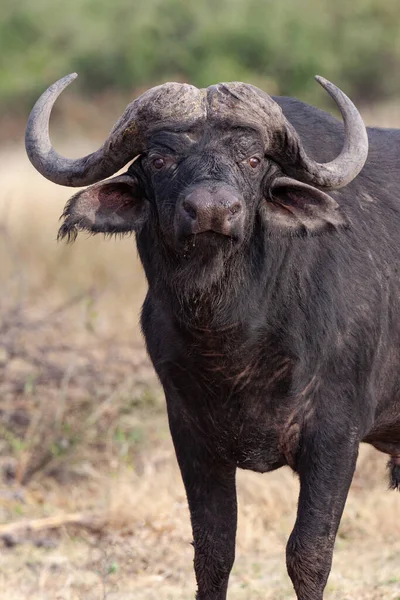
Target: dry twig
x,y
94,522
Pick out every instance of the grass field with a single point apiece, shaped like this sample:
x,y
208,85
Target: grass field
x,y
84,437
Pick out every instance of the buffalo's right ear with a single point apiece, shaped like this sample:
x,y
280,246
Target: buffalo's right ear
x,y
116,205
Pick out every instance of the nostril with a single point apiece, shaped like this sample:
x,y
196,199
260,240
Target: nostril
x,y
235,208
189,209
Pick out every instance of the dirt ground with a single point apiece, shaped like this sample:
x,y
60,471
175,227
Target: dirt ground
x,y
84,438
142,547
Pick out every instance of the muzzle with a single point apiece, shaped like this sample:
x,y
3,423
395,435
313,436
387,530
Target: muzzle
x,y
210,208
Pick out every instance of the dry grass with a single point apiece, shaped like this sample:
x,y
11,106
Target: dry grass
x,y
83,428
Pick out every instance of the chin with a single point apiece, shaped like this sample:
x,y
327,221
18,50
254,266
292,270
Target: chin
x,y
204,261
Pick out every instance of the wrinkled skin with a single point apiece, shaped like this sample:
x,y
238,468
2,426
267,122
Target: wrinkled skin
x,y
276,340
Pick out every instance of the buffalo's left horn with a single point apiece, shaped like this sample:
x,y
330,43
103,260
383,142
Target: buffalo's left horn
x,y
343,169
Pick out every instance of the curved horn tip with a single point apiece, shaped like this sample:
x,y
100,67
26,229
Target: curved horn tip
x,y
325,83
71,76
64,81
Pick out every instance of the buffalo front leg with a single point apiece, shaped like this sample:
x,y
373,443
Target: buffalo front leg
x,y
211,493
326,464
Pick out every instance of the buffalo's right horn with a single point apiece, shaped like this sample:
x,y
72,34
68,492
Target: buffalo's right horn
x,y
174,105
112,156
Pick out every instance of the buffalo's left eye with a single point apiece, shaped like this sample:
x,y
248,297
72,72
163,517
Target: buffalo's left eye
x,y
254,161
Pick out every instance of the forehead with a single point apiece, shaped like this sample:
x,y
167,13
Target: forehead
x,y
204,135
224,107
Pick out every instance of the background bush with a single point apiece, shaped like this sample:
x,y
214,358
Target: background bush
x,y
127,44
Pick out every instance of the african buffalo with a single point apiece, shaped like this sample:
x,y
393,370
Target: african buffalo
x,y
273,311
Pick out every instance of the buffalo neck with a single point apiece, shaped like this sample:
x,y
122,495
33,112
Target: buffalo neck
x,y
267,293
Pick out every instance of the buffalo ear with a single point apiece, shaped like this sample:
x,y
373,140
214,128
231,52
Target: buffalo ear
x,y
298,208
113,206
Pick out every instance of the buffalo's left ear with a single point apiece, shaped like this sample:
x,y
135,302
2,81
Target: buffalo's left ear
x,y
298,208
113,206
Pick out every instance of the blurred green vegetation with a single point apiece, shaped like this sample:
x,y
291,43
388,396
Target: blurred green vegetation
x,y
130,44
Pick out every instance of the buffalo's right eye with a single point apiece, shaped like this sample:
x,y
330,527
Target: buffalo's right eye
x,y
158,163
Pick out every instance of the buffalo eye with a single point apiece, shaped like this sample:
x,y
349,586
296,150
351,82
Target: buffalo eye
x,y
254,162
158,163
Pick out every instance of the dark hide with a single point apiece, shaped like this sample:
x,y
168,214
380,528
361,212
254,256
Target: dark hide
x,y
279,345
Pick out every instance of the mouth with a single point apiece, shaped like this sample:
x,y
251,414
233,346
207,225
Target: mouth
x,y
212,237
207,244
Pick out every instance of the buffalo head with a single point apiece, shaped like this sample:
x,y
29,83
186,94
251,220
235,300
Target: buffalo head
x,y
211,166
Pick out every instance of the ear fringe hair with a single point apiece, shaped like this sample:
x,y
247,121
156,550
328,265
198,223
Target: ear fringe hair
x,y
69,232
394,475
